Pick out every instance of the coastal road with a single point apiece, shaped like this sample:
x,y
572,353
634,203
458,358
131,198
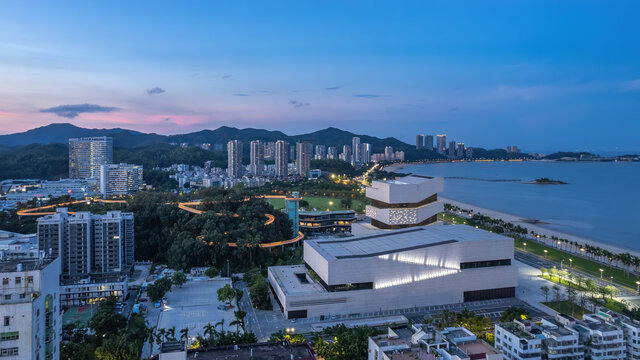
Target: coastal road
x,y
540,262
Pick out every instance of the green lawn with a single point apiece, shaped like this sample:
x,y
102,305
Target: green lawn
x,y
451,218
564,282
579,262
565,308
322,203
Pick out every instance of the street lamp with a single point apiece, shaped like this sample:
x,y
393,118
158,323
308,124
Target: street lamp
x,y
571,263
561,263
525,247
638,286
612,279
545,253
601,271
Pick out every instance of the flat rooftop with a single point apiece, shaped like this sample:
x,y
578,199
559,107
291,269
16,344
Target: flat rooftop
x,y
477,347
7,266
408,180
334,212
295,280
259,351
387,242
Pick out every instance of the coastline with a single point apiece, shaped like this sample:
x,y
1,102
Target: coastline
x,y
526,223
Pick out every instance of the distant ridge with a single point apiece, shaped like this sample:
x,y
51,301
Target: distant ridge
x,y
61,132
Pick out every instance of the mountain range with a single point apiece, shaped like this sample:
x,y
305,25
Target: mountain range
x,y
61,132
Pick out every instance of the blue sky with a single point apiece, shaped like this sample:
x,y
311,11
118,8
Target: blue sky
x,y
543,75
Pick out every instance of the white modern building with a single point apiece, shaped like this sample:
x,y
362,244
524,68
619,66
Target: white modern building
x,y
405,202
256,165
387,270
560,342
120,179
603,340
30,321
516,342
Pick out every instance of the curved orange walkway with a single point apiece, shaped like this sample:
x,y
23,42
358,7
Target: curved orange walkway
x,y
187,206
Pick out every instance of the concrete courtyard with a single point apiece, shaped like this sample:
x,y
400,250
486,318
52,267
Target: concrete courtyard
x,y
193,306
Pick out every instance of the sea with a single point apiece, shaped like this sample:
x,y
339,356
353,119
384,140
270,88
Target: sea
x,y
601,200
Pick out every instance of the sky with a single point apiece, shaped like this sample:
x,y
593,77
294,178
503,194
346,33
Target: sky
x,y
542,75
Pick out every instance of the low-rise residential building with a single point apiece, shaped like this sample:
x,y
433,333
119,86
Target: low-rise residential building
x,y
30,321
630,327
422,342
560,342
602,339
515,341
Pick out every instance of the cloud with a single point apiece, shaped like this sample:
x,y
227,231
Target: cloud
x,y
454,108
631,85
155,90
261,91
368,96
298,104
226,77
333,88
167,119
241,94
72,111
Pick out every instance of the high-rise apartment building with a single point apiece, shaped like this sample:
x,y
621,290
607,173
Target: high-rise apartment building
x,y
113,242
332,152
441,143
31,325
292,152
256,166
303,160
346,153
282,158
452,148
87,243
355,148
428,142
388,153
120,179
86,155
365,153
321,152
460,150
419,141
270,150
234,159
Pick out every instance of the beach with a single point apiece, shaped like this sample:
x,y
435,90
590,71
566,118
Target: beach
x,y
526,223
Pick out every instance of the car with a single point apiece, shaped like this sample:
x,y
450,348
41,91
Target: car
x,y
142,300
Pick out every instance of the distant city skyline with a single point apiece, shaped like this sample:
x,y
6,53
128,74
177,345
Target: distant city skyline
x,y
491,74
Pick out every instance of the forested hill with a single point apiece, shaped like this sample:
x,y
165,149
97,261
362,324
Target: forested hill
x,y
123,138
52,161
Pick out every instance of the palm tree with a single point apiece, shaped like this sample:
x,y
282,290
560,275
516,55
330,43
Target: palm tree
x,y
240,317
151,337
184,333
209,330
171,333
237,324
571,296
161,335
221,323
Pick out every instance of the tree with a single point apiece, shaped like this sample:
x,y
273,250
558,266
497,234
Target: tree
x,y
179,278
184,333
226,294
557,291
209,330
221,323
545,292
211,272
239,295
571,297
514,312
259,293
240,315
158,289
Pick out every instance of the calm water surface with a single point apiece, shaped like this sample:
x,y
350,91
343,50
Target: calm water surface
x,y
601,201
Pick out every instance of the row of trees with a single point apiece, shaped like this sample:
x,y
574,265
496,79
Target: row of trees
x,y
624,261
577,290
